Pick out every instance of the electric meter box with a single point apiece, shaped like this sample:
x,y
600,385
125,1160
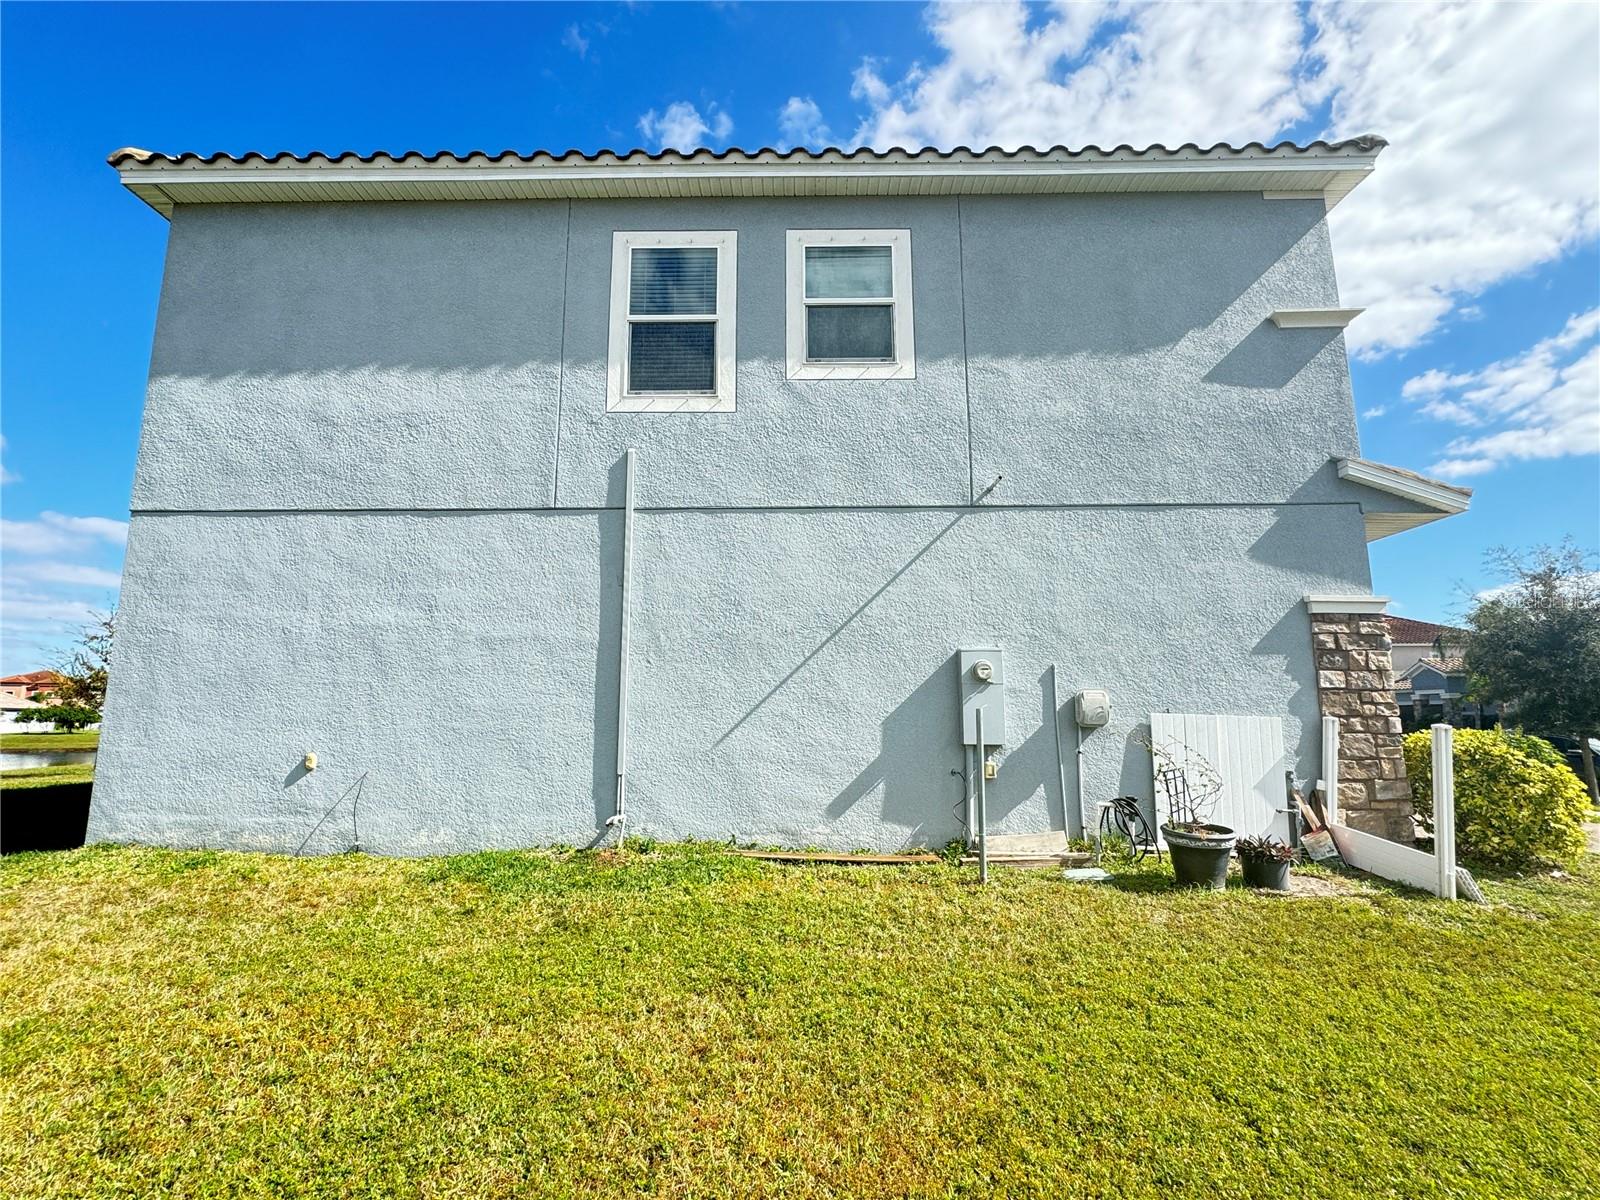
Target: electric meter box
x,y
983,685
1094,708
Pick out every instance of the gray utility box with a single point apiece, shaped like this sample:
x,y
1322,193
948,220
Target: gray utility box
x,y
983,685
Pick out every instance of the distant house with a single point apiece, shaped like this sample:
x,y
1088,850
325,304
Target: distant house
x,y
1413,641
30,685
19,693
1430,676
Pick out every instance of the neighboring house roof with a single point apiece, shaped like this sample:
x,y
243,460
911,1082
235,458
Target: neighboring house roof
x,y
1403,631
1321,170
1450,666
17,704
31,679
1436,498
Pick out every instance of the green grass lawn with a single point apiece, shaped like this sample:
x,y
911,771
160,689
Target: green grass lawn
x,y
35,777
686,1022
84,739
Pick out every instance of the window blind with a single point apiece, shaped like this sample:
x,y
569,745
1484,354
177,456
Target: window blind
x,y
673,281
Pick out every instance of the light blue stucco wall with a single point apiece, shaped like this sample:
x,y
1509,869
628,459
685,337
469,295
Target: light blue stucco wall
x,y
377,479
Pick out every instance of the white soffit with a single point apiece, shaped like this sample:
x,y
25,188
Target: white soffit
x,y
1331,170
1314,318
1345,604
1442,499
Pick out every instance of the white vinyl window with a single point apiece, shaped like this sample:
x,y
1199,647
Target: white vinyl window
x,y
672,322
849,300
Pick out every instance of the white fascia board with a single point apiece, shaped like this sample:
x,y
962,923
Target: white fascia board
x,y
1442,497
1314,318
1345,604
983,173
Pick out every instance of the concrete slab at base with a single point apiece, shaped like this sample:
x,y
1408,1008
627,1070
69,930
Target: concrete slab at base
x,y
1053,841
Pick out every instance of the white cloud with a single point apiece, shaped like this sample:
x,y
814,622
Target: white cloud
x,y
801,124
46,566
71,574
574,40
1373,413
1491,111
1574,584
1542,403
56,533
681,127
1494,123
5,475
36,608
1152,78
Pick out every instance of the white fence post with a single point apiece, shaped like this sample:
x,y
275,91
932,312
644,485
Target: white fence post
x,y
1444,809
1330,767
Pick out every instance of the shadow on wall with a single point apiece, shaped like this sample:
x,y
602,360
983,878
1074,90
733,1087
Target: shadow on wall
x,y
1160,268
918,749
607,655
921,766
1138,772
314,287
841,627
1270,357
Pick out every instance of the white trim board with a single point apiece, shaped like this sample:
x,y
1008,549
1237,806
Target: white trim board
x,y
1345,604
618,397
904,365
1314,318
1435,493
1442,499
162,182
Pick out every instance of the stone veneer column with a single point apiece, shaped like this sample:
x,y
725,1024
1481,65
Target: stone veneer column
x,y
1355,683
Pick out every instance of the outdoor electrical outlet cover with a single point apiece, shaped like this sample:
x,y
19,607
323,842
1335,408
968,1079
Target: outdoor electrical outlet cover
x,y
1094,708
987,694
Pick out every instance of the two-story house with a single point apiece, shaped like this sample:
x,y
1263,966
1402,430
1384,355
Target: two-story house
x,y
703,470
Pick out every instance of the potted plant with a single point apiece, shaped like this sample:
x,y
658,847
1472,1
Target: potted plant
x,y
1265,861
1200,848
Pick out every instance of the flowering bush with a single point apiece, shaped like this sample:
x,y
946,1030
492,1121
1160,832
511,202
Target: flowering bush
x,y
1516,803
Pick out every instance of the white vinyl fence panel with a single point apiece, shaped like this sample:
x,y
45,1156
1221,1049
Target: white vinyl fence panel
x,y
1436,872
1247,753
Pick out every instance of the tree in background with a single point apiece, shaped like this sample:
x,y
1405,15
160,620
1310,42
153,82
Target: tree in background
x,y
65,717
1534,645
81,677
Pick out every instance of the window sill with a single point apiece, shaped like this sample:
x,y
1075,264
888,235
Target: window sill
x,y
671,404
876,370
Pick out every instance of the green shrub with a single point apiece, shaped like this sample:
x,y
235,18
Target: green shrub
x,y
1513,805
68,717
1536,748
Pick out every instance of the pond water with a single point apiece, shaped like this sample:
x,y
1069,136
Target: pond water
x,y
10,761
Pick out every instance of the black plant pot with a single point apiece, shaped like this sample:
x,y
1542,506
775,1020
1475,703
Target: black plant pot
x,y
1200,859
1266,873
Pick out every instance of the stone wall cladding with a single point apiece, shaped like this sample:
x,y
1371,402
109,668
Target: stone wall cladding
x,y
1355,683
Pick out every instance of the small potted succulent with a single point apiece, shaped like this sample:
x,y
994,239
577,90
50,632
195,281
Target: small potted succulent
x,y
1265,861
1200,849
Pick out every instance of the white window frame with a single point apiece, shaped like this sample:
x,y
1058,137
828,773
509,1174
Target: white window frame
x,y
904,365
618,397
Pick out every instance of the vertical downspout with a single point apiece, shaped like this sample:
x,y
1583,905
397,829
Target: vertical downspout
x,y
620,816
1079,741
983,800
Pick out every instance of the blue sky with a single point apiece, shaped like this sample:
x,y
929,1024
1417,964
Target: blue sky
x,y
1479,269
